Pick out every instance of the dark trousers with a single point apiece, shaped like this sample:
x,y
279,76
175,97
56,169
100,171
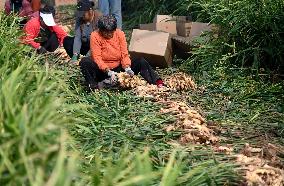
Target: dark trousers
x,y
93,74
51,44
68,46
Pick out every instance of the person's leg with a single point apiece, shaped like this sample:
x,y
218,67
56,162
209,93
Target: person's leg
x,y
52,43
143,67
115,9
91,71
104,7
68,45
85,48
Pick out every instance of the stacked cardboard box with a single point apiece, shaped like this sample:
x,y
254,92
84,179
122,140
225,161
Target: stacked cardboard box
x,y
154,46
178,25
175,32
169,27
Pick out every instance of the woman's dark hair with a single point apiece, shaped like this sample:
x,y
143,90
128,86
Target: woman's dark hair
x,y
47,9
107,23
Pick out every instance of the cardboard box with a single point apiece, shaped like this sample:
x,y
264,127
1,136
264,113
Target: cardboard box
x,y
193,29
167,18
187,33
154,46
183,29
170,27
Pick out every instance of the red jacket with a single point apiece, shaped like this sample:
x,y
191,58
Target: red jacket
x,y
32,29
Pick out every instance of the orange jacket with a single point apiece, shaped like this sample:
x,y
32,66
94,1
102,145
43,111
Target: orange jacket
x,y
109,53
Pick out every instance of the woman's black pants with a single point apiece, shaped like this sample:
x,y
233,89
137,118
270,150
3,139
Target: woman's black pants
x,y
93,74
68,46
51,44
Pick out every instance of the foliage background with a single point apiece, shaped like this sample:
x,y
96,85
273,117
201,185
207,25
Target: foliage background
x,y
250,31
54,133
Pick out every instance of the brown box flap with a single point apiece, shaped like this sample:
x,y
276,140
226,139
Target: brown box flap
x,y
170,27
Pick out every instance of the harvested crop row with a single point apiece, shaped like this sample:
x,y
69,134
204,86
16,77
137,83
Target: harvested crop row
x,y
152,91
180,82
59,56
261,170
175,82
256,170
125,81
190,122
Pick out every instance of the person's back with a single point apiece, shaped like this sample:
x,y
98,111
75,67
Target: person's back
x,y
113,51
42,33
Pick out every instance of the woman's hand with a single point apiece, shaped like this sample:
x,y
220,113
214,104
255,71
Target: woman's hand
x,y
129,71
74,59
113,77
41,50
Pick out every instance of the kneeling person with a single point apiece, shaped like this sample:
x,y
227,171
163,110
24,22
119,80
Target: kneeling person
x,y
110,56
86,23
42,33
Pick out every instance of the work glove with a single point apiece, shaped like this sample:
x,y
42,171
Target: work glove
x,y
41,50
113,77
129,71
74,60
